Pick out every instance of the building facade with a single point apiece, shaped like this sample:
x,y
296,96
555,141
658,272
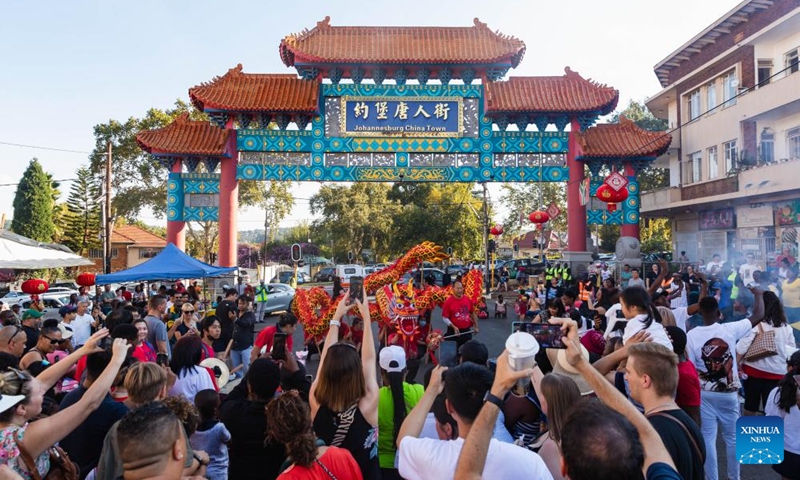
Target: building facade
x,y
731,96
130,246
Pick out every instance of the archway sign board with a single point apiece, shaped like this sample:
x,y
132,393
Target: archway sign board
x,y
422,104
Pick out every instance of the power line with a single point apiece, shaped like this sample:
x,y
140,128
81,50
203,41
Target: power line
x,y
54,149
60,180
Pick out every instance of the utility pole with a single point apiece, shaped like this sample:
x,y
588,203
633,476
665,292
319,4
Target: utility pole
x,y
264,248
486,239
109,221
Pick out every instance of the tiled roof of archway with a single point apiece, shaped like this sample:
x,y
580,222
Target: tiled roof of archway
x,y
401,45
186,137
622,140
569,93
256,92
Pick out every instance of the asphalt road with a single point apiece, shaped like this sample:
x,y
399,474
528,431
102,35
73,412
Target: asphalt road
x,y
493,333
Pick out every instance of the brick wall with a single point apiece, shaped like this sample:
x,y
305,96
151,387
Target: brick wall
x,y
749,141
756,21
120,262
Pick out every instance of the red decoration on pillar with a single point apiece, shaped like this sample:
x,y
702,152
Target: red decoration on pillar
x,y
607,194
539,217
497,230
85,279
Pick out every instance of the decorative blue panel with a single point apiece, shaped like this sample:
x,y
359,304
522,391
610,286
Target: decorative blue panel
x,y
200,183
175,197
201,214
630,207
603,217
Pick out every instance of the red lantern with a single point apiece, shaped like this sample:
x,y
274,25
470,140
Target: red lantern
x,y
85,279
607,194
35,287
539,217
497,230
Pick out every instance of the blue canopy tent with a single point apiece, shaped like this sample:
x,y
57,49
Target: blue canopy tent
x,y
170,264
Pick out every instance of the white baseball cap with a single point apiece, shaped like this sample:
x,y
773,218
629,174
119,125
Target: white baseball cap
x,y
393,358
9,401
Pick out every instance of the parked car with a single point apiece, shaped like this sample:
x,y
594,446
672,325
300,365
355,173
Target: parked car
x,y
437,274
454,270
285,276
531,266
325,275
655,256
279,298
52,303
344,272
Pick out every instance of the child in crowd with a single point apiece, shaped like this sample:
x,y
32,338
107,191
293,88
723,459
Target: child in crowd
x,y
211,435
521,307
500,307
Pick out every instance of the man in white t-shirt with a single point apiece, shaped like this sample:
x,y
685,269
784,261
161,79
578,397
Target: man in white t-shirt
x,y
82,325
746,270
715,265
712,349
466,389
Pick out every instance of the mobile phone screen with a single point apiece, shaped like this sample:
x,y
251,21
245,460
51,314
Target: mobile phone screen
x,y
162,359
279,346
448,354
548,336
356,288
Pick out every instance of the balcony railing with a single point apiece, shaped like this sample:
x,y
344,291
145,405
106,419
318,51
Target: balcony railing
x,y
709,189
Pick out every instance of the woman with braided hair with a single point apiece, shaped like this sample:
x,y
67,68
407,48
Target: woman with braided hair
x,y
289,423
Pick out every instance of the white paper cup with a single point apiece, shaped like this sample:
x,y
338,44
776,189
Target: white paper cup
x,y
522,349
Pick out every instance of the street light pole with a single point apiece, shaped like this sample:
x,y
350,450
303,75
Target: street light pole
x,y
109,220
486,238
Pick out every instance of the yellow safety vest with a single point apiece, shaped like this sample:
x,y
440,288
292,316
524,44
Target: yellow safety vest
x,y
261,294
734,289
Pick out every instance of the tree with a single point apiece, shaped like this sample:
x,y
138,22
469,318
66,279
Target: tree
x,y
357,217
33,204
656,235
609,234
202,240
277,200
523,198
650,178
83,218
444,213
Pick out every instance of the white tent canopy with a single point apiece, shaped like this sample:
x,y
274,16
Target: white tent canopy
x,y
22,253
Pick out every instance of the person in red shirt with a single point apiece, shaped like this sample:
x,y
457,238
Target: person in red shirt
x,y
688,394
289,423
458,315
263,343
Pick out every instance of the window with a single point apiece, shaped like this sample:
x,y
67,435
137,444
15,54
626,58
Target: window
x,y
95,253
730,155
697,167
792,60
713,163
729,86
793,142
764,72
711,96
766,150
694,104
149,252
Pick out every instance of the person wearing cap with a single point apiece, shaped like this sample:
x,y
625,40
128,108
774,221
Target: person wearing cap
x,y
31,321
49,339
68,314
395,399
12,340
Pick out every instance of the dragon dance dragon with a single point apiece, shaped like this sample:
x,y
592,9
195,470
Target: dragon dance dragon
x,y
397,307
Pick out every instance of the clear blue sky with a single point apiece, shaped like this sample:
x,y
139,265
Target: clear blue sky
x,y
69,65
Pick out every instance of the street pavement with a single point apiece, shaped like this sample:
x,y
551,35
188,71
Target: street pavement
x,y
493,333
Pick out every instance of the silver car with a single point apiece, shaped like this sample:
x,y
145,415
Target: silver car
x,y
279,298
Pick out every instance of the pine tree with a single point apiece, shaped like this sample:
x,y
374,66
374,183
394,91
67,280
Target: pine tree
x,y
33,205
82,226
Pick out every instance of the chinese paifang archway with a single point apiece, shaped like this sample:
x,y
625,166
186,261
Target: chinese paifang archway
x,y
444,117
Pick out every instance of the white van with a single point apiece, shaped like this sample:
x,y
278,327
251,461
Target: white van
x,y
344,272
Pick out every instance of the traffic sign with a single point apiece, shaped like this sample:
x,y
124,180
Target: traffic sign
x,y
297,253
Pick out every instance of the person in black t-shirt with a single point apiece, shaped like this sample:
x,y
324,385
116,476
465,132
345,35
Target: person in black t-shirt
x,y
652,373
225,323
652,275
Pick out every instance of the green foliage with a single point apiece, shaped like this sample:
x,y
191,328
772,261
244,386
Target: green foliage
x,y
82,223
656,235
609,234
357,217
33,204
137,180
275,197
523,198
202,240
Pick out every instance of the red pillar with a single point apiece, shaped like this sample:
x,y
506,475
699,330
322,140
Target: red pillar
x,y
576,213
629,229
176,230
228,211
